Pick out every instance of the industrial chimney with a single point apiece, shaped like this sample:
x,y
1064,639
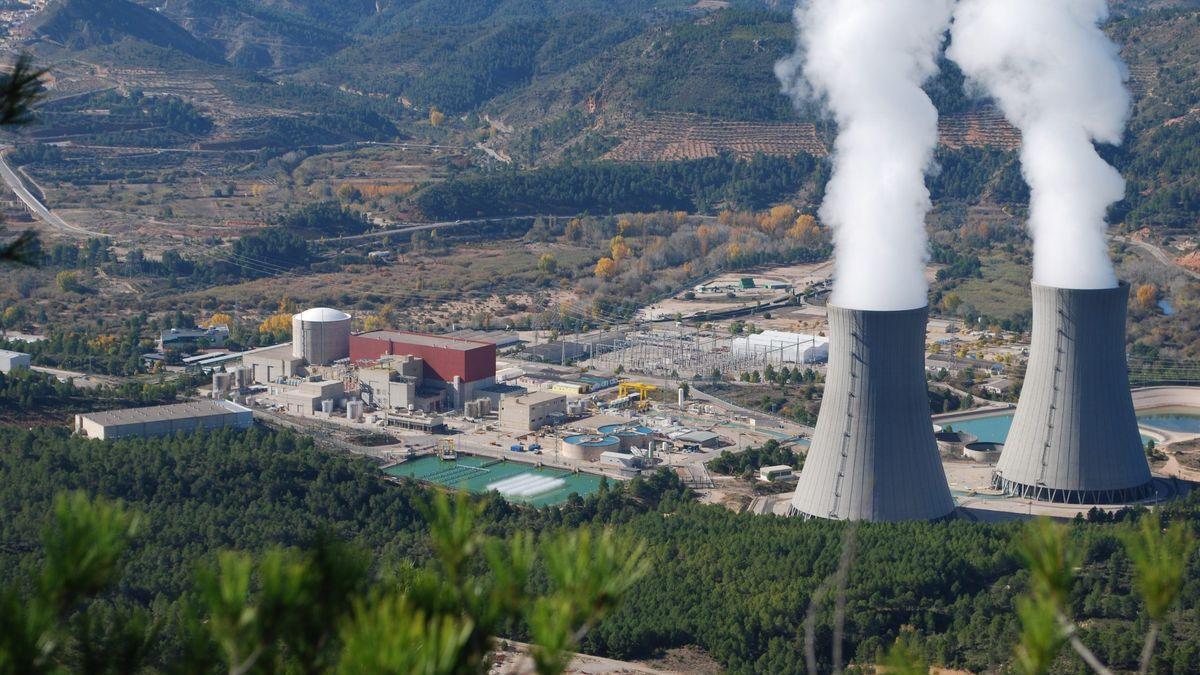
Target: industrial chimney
x,y
873,456
1075,437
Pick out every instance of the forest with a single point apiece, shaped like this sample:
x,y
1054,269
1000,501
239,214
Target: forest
x,y
608,187
736,585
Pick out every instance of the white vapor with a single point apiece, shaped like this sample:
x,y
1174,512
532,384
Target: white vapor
x,y
1060,80
866,61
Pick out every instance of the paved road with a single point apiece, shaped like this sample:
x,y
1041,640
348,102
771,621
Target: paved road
x,y
1158,254
39,209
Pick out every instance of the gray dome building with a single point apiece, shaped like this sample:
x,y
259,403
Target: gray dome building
x,y
321,335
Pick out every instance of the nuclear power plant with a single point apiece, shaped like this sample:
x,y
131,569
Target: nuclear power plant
x,y
1075,437
873,455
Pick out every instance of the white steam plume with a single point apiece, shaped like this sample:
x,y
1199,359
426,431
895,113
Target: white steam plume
x,y
1060,80
866,61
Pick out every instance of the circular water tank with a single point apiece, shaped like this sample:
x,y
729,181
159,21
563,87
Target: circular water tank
x,y
983,451
630,435
589,447
321,335
953,441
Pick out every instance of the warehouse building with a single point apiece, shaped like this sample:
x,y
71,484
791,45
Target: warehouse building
x,y
530,412
271,364
10,361
465,369
188,338
784,347
164,420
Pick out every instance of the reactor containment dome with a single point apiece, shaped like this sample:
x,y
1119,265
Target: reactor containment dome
x,y
321,336
873,455
1075,436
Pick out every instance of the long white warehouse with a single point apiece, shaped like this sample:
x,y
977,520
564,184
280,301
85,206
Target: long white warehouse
x,y
163,420
784,347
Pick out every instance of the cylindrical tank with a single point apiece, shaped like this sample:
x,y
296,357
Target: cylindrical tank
x,y
220,385
873,456
354,409
327,406
983,451
1075,437
953,441
630,435
588,447
321,335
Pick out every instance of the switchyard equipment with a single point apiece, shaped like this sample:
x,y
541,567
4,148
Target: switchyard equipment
x,y
873,455
1074,437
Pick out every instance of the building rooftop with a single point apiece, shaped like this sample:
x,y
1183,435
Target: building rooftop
x,y
283,351
500,338
323,315
698,437
7,353
435,341
533,398
162,413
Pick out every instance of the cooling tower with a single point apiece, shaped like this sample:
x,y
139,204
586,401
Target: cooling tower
x,y
873,456
1075,437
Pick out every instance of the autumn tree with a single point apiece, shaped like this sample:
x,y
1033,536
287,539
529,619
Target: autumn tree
x,y
436,117
771,221
606,268
1147,296
218,319
806,231
547,264
619,249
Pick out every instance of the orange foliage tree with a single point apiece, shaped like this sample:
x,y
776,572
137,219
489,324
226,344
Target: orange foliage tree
x,y
606,268
1147,296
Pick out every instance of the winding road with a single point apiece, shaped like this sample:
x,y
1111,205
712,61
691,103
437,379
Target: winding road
x,y
37,207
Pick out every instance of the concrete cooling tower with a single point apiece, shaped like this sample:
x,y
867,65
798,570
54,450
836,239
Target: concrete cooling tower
x,y
1075,437
873,456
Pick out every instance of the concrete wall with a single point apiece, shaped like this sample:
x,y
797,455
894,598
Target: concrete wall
x,y
269,367
1074,436
873,456
530,413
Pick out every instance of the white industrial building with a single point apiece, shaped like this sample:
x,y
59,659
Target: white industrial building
x,y
530,412
164,420
271,364
321,336
10,361
784,347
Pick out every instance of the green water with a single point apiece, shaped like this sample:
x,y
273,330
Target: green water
x,y
474,474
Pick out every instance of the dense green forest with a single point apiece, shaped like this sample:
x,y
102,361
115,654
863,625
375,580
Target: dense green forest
x,y
608,187
31,395
736,585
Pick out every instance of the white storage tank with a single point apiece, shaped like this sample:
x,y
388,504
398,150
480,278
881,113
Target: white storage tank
x,y
327,406
354,410
588,447
321,335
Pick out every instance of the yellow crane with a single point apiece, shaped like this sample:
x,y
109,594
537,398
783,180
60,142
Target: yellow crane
x,y
642,389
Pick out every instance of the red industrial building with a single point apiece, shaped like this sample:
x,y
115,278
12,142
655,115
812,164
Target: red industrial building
x,y
445,357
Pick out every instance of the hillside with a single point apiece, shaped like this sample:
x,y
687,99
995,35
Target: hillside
x,y
83,24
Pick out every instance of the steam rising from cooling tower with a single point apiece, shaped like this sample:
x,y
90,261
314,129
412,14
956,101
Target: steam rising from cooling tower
x,y
866,61
1060,80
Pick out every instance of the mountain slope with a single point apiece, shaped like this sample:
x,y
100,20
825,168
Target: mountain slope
x,y
84,24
